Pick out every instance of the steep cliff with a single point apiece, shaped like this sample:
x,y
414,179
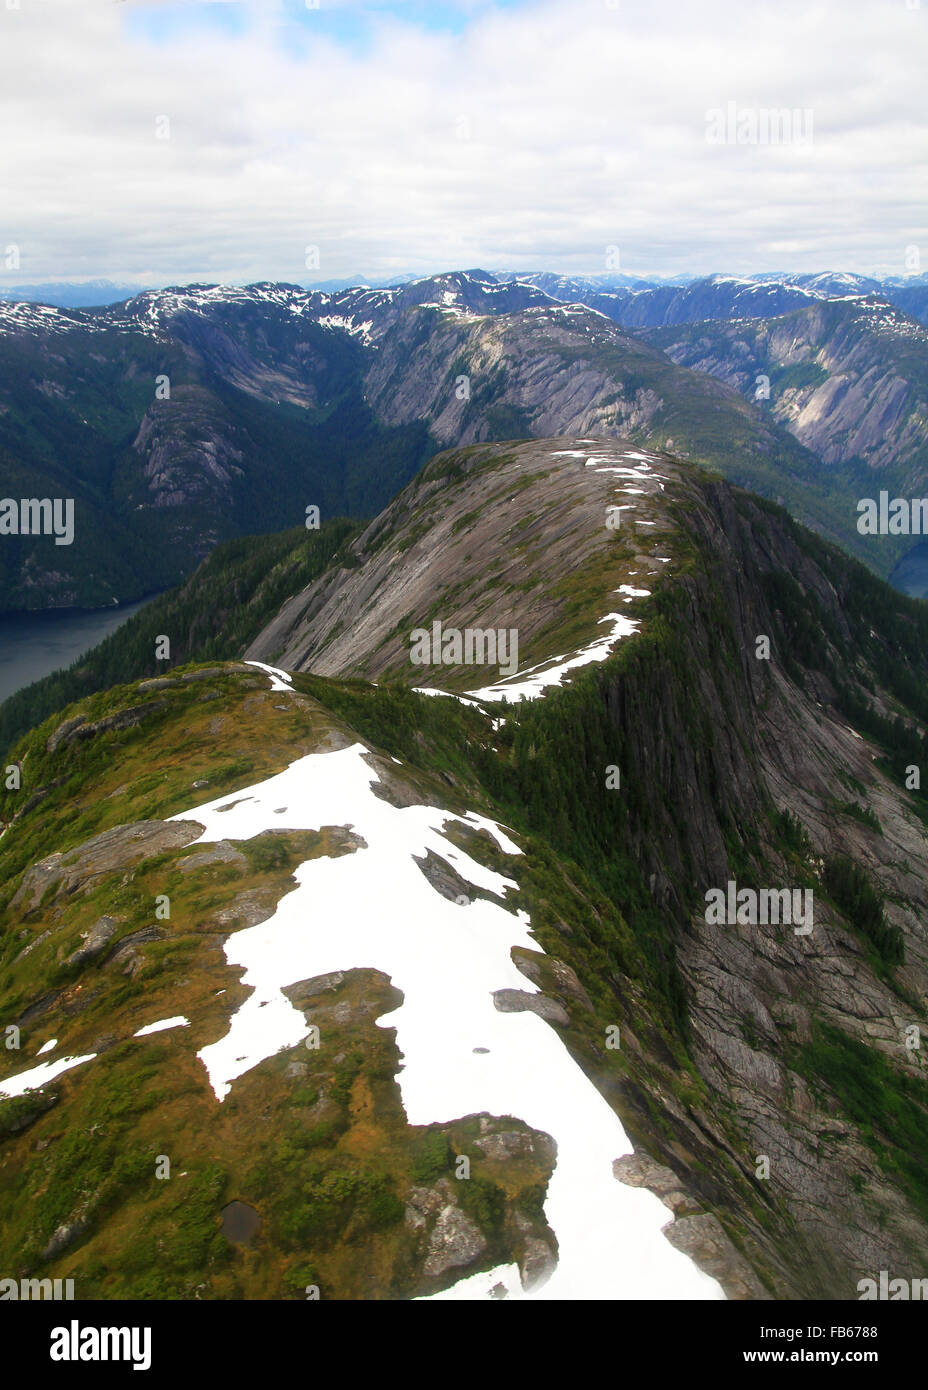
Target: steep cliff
x,y
846,377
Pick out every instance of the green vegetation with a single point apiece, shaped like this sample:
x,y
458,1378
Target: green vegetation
x,y
431,1158
791,832
889,1105
213,616
335,1200
851,891
18,1112
863,814
800,376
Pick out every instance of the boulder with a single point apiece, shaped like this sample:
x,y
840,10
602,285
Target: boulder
x,y
640,1170
455,1242
514,1001
219,853
78,728
95,941
537,1264
317,984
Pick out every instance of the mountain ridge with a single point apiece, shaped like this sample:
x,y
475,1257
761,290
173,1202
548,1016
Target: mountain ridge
x,y
732,768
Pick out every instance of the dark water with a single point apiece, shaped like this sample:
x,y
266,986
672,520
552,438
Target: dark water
x,y
33,645
911,573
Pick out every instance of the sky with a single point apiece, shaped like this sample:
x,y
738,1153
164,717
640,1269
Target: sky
x,y
163,143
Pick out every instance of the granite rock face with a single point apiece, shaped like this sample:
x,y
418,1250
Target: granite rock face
x,y
704,1240
123,847
844,378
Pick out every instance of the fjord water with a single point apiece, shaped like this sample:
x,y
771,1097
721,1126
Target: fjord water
x,y
32,645
911,574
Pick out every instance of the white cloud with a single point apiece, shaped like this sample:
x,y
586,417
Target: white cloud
x,y
535,135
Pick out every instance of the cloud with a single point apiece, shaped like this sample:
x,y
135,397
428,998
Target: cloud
x,y
523,135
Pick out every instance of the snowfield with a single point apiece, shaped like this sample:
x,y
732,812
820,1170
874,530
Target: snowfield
x,y
375,909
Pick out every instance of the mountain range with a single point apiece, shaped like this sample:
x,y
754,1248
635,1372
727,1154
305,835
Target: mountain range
x,y
651,305
186,416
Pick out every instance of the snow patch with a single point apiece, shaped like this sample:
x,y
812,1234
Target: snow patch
x,y
177,1022
280,680
41,1075
530,684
